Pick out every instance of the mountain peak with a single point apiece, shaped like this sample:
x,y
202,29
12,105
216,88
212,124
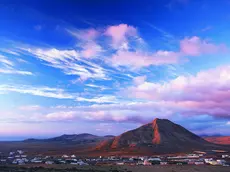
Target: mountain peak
x,y
158,120
155,120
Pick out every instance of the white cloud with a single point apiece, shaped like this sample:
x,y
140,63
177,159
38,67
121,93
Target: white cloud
x,y
54,55
37,91
14,71
228,123
97,86
5,61
61,116
30,108
8,67
69,62
102,99
10,52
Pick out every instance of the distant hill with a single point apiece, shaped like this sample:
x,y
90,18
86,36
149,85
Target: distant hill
x,y
74,138
210,135
223,140
159,136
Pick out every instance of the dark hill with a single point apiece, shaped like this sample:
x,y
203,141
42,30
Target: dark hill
x,y
159,136
73,138
222,140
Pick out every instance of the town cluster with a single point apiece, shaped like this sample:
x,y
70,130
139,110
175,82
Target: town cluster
x,y
20,157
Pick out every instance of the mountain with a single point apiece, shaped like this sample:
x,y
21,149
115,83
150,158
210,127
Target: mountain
x,y
212,135
223,140
73,138
159,136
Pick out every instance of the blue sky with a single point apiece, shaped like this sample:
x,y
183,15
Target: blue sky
x,y
104,67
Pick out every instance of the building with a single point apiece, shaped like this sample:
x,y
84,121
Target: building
x,y
163,163
225,156
65,156
49,162
199,163
146,162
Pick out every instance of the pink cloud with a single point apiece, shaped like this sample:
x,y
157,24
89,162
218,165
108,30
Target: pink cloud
x,y
208,92
91,49
85,35
194,46
120,33
137,59
87,42
139,80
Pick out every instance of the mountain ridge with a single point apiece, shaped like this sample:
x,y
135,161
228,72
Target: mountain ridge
x,y
83,137
222,140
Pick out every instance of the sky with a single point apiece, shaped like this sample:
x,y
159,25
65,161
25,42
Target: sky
x,y
108,66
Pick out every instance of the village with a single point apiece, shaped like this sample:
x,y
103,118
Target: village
x,y
20,157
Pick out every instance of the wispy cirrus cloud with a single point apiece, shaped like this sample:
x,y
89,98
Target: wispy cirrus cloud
x,y
56,93
84,35
69,62
8,67
97,86
5,61
14,71
37,91
100,99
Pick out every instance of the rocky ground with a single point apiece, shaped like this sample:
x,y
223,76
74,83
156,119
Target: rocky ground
x,y
69,168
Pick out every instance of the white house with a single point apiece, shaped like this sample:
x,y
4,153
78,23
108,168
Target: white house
x,y
225,156
11,153
20,152
65,156
221,161
199,163
146,162
79,163
49,162
163,163
154,159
